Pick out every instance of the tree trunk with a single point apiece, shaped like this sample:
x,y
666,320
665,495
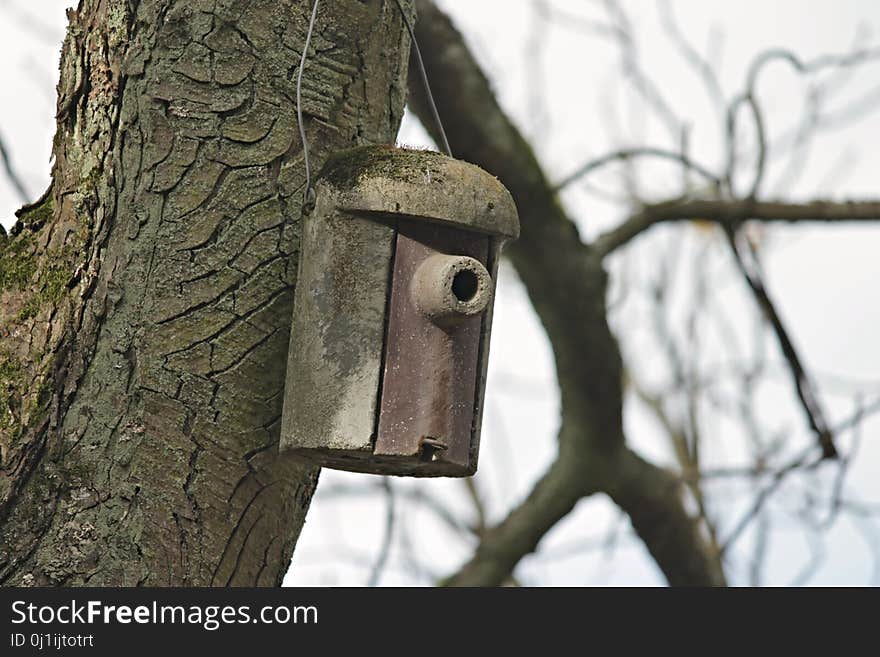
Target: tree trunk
x,y
145,301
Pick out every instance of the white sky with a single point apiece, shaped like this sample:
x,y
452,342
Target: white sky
x,y
822,278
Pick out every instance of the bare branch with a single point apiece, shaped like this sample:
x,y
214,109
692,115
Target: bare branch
x,y
632,69
746,262
817,556
629,153
415,495
502,547
801,462
761,158
759,551
388,539
749,97
799,140
836,503
699,63
763,469
12,174
804,67
733,213
48,34
476,498
572,21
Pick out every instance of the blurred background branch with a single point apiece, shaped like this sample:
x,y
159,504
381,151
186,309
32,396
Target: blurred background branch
x,y
667,355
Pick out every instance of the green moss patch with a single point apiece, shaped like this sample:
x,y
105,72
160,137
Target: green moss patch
x,y
344,168
17,263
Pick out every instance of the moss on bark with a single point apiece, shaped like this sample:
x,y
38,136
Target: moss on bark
x,y
147,298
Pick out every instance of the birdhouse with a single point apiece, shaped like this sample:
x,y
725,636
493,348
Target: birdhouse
x,y
393,311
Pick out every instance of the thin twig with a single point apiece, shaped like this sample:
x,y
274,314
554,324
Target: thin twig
x,y
388,539
415,495
801,461
845,462
478,504
629,153
749,96
631,68
801,66
12,174
699,63
804,386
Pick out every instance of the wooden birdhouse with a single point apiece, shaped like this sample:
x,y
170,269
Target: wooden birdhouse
x,y
393,312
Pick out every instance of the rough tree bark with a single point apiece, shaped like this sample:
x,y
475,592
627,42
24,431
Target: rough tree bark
x,y
145,301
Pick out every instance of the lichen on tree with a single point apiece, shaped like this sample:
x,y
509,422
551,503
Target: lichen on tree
x,y
146,299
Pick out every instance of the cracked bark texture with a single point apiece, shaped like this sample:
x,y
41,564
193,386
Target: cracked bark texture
x,y
145,301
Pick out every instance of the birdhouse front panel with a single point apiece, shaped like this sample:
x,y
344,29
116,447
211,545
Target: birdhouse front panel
x,y
432,348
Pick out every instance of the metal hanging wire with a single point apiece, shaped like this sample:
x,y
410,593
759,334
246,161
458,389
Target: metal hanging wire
x,y
425,83
309,192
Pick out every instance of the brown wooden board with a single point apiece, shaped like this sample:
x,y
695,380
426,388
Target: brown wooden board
x,y
430,371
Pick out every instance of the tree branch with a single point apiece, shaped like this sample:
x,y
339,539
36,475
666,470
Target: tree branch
x,y
732,213
12,174
803,385
694,59
628,153
388,538
502,547
567,285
